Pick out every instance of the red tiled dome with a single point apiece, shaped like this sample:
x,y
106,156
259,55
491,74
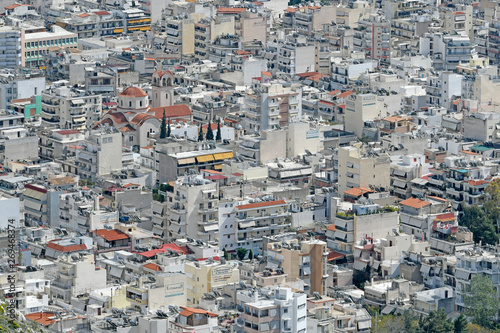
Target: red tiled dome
x,y
133,92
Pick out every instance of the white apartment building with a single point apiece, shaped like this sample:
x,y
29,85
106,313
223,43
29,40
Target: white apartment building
x,y
270,106
285,311
192,209
10,47
64,107
76,275
102,153
446,50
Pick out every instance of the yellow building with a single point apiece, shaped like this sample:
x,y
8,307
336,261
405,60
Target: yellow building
x,y
201,276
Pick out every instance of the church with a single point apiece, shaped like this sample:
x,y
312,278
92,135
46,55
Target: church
x,y
137,118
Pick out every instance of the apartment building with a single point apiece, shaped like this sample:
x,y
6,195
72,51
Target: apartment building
x,y
80,211
15,86
285,311
135,19
394,9
458,20
10,47
35,44
446,50
101,155
206,31
304,260
362,221
349,15
253,220
403,171
93,24
76,275
65,107
373,37
202,276
308,19
16,142
192,210
361,108
40,204
358,166
442,88
471,262
272,105
181,33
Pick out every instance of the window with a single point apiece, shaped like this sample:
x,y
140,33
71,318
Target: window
x,y
130,104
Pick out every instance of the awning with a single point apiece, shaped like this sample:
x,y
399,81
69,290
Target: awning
x,y
364,325
184,161
419,181
462,275
33,205
116,271
212,227
33,194
218,167
340,235
77,101
205,158
425,269
388,309
223,156
437,270
359,265
307,270
400,173
244,225
398,183
357,253
376,264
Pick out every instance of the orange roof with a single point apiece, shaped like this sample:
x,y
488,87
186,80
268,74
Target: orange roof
x,y
102,13
394,119
261,204
345,94
83,15
230,10
161,73
187,311
111,235
414,203
314,7
130,184
153,267
469,152
307,74
118,117
15,6
357,191
133,92
266,73
291,10
331,227
66,248
334,255
173,111
334,92
213,125
43,318
141,118
477,182
127,128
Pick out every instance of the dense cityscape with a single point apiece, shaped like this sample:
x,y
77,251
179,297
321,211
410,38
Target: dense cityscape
x,y
220,166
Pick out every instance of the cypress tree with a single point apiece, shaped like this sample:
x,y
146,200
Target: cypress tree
x,y
218,137
163,129
168,129
210,133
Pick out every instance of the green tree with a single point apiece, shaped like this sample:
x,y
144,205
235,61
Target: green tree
x,y
169,131
163,128
436,322
461,324
200,134
250,255
218,136
481,301
210,133
241,253
480,222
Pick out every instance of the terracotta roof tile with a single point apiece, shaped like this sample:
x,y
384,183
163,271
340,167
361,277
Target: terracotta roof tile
x,y
187,311
153,267
133,92
111,235
67,248
173,111
358,191
43,318
414,203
